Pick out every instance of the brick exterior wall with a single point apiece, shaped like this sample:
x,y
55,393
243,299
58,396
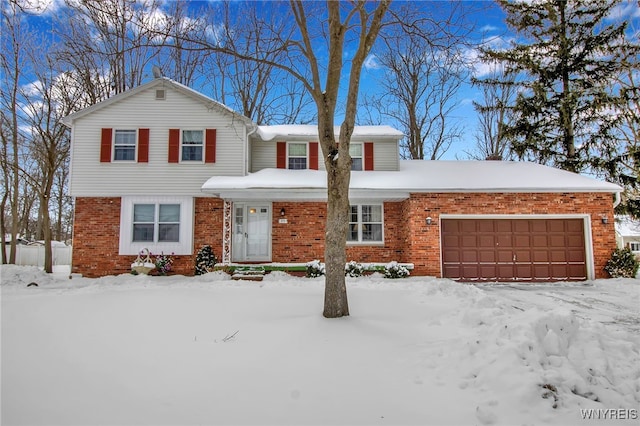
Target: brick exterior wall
x,y
207,229
96,236
407,237
424,248
301,239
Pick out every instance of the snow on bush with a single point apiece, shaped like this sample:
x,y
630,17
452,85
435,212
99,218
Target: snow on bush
x,y
623,264
315,269
205,260
353,269
395,270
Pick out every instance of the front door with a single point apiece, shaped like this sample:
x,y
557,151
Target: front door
x,y
251,232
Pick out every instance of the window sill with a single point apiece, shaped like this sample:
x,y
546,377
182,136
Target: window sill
x,y
365,243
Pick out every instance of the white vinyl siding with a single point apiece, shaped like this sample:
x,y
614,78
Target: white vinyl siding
x,y
263,155
89,177
385,154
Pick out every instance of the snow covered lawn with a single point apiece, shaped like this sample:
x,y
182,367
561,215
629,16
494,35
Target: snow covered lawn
x,y
134,350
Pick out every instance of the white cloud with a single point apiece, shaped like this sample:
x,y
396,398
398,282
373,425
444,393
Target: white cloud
x,y
371,63
481,68
488,28
41,7
625,10
34,88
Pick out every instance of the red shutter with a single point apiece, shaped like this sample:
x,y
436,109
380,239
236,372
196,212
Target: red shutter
x,y
281,155
210,146
105,145
313,155
368,155
143,145
174,145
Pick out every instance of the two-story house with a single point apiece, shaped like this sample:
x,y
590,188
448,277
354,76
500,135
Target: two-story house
x,y
166,168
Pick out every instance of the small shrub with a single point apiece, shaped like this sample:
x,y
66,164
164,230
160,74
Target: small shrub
x,y
164,263
622,264
395,270
205,260
353,269
315,269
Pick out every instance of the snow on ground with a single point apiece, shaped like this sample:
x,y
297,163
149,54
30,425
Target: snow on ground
x,y
138,350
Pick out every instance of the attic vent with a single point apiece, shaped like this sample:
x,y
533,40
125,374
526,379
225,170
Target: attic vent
x,y
160,95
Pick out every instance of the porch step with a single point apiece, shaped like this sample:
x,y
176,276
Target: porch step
x,y
250,273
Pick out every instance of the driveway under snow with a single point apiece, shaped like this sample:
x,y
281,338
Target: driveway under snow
x,y
134,350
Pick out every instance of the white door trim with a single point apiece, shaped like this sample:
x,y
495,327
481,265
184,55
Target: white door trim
x,y
240,229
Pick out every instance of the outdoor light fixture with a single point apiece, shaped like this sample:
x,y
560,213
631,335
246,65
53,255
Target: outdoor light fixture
x,y
282,212
604,219
429,220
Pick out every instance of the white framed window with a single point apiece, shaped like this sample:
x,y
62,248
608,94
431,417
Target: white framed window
x,y
192,148
156,223
124,145
366,224
297,156
160,224
356,151
634,246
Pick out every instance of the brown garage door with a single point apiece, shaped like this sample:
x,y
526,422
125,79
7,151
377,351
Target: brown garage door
x,y
513,249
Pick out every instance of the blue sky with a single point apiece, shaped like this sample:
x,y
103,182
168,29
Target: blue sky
x,y
489,28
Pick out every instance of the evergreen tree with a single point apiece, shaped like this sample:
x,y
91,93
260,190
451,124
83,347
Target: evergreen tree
x,y
565,60
205,260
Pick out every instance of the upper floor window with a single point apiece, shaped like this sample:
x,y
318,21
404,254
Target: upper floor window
x,y
634,246
297,156
365,223
192,145
355,151
124,145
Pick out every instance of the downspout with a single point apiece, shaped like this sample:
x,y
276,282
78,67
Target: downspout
x,y
617,199
246,156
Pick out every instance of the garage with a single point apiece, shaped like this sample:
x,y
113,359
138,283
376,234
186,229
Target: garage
x,y
503,249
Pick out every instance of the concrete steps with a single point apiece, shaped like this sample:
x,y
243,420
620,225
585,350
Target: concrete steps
x,y
248,273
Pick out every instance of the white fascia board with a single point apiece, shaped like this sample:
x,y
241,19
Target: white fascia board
x,y
305,195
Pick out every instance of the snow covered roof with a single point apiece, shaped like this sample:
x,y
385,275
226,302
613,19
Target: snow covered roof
x,y
413,176
306,131
627,227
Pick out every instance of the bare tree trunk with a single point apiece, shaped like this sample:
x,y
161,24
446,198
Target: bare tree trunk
x,y
46,231
3,248
12,67
339,166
